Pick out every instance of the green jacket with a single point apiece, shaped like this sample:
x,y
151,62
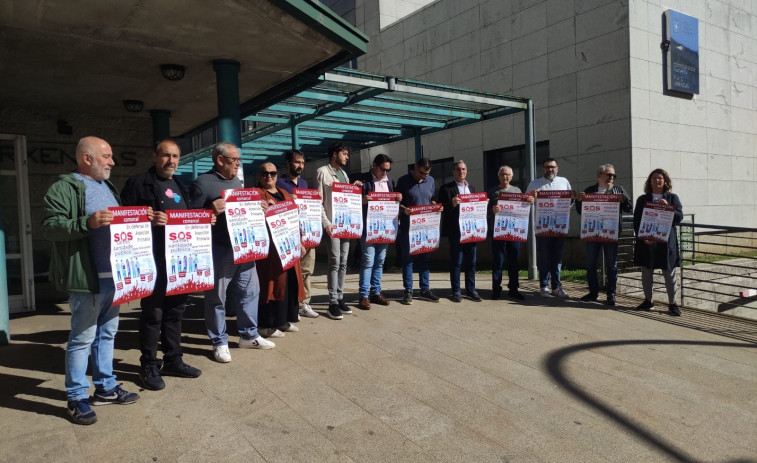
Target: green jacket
x,y
65,226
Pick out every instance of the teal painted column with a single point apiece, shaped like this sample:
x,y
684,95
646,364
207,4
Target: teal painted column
x,y
5,331
161,125
295,133
227,87
529,119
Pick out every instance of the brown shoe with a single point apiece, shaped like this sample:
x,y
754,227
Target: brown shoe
x,y
379,299
364,304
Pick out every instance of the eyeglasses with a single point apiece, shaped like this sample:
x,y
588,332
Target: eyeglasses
x,y
385,170
269,174
550,167
234,160
610,175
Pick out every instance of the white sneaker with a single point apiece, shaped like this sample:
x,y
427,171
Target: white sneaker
x,y
307,311
277,334
290,328
545,292
222,354
258,343
559,292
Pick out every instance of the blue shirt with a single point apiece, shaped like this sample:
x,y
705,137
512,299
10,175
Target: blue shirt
x,y
286,184
414,194
99,197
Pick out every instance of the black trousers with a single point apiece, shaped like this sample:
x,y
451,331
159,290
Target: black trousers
x,y
275,314
161,321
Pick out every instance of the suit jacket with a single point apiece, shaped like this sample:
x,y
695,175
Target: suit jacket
x,y
451,215
657,255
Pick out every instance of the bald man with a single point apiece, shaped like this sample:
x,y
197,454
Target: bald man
x,y
77,223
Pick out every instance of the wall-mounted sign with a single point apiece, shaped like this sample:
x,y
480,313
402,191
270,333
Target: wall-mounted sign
x,y
682,58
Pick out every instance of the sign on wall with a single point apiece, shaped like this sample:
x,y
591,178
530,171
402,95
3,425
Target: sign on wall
x,y
682,54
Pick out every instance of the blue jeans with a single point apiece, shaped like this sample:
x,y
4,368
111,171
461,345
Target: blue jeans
x,y
238,282
371,267
505,253
462,256
611,266
421,261
94,323
549,260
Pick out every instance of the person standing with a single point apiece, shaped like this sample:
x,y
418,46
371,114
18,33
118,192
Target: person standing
x,y
504,251
292,178
417,189
161,316
605,179
238,282
651,255
549,249
462,255
76,222
373,255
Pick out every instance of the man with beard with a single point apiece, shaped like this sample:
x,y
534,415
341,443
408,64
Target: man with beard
x,y
295,164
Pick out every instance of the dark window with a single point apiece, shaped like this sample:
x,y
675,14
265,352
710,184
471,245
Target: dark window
x,y
515,157
441,170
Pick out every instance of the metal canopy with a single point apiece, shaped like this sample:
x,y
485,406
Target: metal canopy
x,y
361,110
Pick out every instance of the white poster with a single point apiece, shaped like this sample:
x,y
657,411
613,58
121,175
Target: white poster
x,y
656,222
472,219
245,222
381,220
424,228
131,256
283,221
310,204
511,222
552,212
189,251
599,217
347,210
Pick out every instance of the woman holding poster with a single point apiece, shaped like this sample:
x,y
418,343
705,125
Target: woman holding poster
x,y
650,254
280,291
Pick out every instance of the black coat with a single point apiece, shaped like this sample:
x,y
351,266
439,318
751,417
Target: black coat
x,y
657,255
451,215
625,202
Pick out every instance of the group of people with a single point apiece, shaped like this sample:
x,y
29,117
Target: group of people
x,y
269,301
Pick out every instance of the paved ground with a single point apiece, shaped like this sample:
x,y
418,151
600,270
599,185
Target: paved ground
x,y
548,380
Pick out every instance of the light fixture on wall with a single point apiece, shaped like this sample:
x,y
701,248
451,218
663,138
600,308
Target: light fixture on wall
x,y
133,106
172,71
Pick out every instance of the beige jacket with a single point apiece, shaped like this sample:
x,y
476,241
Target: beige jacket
x,y
324,177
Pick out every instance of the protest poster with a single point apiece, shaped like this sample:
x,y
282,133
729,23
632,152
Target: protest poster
x,y
511,222
381,220
472,220
245,222
424,228
552,212
310,204
189,251
131,256
346,210
656,222
283,221
599,217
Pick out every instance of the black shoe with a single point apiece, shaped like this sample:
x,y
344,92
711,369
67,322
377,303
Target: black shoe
x,y
429,296
407,299
182,370
674,310
456,297
344,308
646,305
473,295
611,300
515,294
496,294
334,313
150,377
589,297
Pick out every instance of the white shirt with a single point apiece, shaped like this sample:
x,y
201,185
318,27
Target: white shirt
x,y
541,183
380,186
462,188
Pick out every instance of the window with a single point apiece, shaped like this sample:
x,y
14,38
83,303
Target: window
x,y
515,157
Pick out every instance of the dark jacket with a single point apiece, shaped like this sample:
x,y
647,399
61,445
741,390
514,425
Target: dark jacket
x,y
625,202
370,187
657,255
451,215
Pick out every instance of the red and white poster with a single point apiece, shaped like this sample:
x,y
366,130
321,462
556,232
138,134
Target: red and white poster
x,y
346,210
552,212
599,217
310,204
511,222
424,228
189,251
245,222
381,220
131,256
472,219
283,221
656,222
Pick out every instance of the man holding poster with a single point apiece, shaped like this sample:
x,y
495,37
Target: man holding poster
x,y
606,236
549,247
380,208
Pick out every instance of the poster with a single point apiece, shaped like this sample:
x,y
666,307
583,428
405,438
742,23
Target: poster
x,y
511,223
656,222
245,222
552,212
189,251
424,228
599,217
131,254
283,221
347,210
310,204
473,217
381,221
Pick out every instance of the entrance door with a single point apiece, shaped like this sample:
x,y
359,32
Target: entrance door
x,y
15,223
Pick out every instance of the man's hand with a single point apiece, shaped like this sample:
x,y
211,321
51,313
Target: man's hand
x,y
530,200
358,183
101,218
160,219
328,231
219,206
399,197
213,219
581,196
496,209
455,201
